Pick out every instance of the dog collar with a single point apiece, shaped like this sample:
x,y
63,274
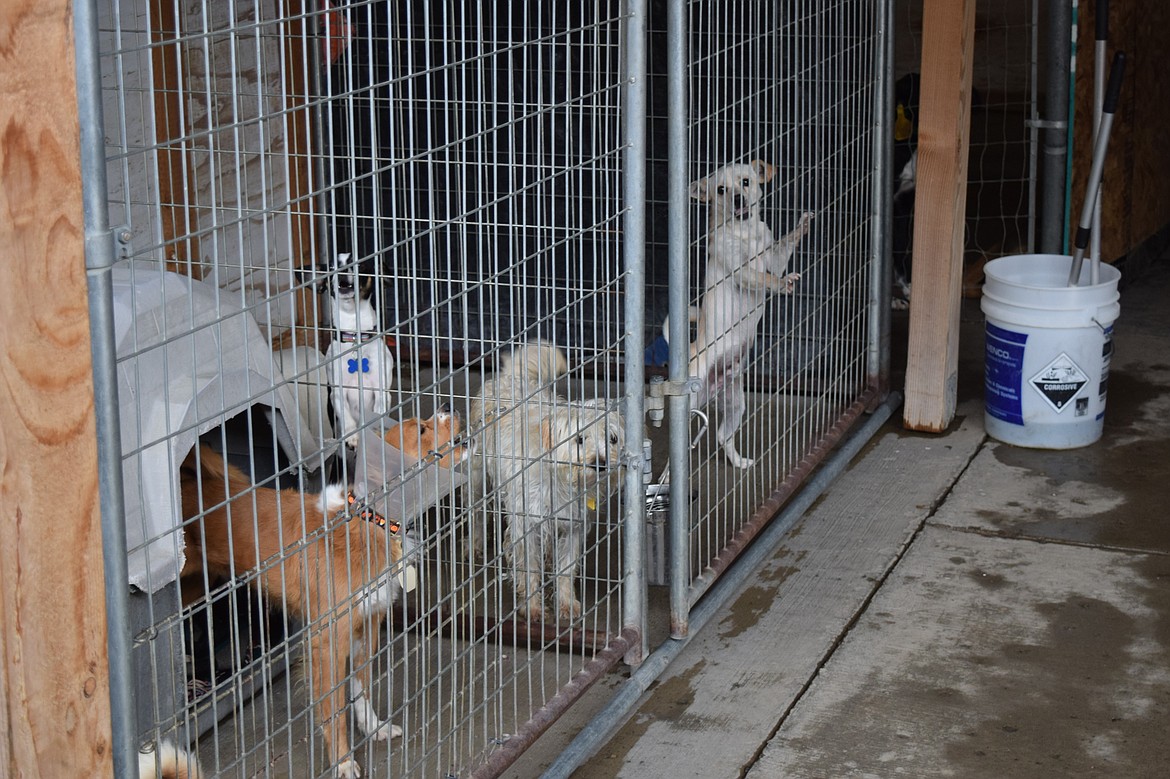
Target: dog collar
x,y
370,515
357,336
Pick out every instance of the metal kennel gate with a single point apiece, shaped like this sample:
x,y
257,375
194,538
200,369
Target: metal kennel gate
x,y
803,87
490,174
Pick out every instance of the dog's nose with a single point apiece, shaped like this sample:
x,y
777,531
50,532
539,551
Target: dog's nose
x,y
444,409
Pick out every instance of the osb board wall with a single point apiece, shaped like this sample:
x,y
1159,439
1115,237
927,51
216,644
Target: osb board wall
x,y
1136,199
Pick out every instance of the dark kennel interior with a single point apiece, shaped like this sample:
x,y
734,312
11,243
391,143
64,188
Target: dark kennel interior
x,y
494,204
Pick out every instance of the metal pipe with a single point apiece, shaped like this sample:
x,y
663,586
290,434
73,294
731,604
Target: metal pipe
x,y
678,142
1033,124
1101,31
1055,124
634,101
610,718
882,275
99,260
1108,107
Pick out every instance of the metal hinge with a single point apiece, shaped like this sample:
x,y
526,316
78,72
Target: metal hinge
x,y
661,389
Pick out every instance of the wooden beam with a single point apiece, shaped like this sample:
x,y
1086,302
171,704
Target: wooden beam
x,y
54,679
944,121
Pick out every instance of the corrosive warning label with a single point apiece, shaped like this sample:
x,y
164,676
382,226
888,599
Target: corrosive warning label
x,y
1059,382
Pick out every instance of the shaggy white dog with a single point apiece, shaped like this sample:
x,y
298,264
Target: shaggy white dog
x,y
549,461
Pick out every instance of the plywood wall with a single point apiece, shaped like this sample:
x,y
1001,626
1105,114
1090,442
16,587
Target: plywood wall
x,y
54,682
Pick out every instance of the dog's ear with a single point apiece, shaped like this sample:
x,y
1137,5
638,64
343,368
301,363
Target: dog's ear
x,y
548,434
699,191
313,275
764,171
556,428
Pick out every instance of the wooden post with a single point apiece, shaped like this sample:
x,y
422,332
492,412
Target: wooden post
x,y
54,679
944,121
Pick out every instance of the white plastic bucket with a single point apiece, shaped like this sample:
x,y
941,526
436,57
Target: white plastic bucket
x,y
1048,347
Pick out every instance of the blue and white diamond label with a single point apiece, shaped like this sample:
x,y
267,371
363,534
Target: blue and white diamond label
x,y
1059,382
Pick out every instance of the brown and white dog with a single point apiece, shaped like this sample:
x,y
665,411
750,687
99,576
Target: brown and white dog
x,y
549,461
331,570
431,439
745,266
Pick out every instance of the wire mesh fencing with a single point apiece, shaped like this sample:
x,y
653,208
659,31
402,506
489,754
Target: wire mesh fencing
x,y
374,326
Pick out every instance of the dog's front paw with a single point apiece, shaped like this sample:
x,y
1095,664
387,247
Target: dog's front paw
x,y
570,610
532,610
789,283
348,769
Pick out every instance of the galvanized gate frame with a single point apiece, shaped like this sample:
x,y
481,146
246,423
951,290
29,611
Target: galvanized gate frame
x,y
685,589
99,261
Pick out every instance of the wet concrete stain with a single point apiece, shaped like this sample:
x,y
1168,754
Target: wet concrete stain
x,y
1136,469
745,613
1073,698
668,702
778,574
1074,719
990,581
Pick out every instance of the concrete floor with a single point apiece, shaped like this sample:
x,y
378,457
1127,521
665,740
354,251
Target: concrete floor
x,y
953,606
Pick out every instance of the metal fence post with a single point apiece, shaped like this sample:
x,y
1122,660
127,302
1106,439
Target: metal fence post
x,y
1055,124
679,244
634,253
878,353
99,260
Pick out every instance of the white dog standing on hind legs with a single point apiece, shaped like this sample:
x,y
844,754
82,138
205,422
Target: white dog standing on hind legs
x,y
550,461
745,266
361,367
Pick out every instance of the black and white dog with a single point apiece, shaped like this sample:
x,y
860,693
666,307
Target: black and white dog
x,y
360,365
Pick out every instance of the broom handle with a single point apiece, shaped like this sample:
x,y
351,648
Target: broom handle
x,y
1112,91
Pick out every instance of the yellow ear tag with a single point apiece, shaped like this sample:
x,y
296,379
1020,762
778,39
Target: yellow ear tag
x,y
903,127
591,503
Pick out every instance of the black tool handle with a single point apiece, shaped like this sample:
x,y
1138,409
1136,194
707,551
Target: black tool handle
x,y
1081,241
1113,89
1102,26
